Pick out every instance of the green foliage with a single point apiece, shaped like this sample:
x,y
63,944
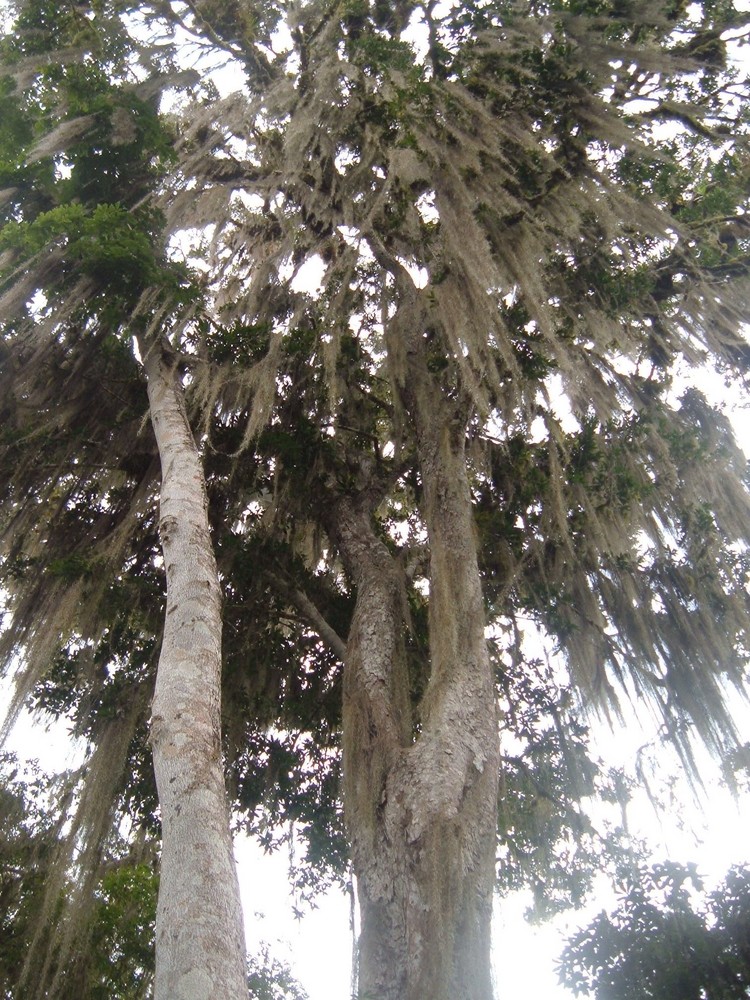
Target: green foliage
x,y
118,962
292,783
27,838
110,244
574,256
16,131
547,841
122,934
268,978
71,567
93,138
666,940
240,344
376,53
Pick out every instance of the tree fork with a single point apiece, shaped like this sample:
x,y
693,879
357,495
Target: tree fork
x,y
421,812
452,779
377,731
450,786
200,952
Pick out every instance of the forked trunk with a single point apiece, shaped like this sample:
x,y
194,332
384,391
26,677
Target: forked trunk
x,y
200,953
449,784
421,812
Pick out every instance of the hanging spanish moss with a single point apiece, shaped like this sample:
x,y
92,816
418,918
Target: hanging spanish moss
x,y
425,272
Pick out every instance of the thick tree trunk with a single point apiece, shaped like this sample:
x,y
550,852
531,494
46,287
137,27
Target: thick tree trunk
x,y
450,785
421,812
377,733
200,953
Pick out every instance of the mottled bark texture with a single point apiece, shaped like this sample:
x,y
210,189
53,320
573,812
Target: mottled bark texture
x,y
420,801
200,953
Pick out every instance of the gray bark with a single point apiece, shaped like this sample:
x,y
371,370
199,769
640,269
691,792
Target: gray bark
x,y
421,811
200,952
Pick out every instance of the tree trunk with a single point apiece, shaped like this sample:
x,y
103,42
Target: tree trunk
x,y
450,783
421,812
200,952
377,733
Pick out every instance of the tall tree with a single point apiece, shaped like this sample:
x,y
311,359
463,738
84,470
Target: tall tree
x,y
200,941
448,263
107,263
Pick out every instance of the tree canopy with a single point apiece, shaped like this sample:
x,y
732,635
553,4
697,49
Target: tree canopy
x,y
436,280
664,940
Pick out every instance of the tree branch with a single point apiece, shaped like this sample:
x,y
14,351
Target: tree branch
x,y
312,615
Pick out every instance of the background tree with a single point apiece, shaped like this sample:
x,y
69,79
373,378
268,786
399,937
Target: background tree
x,y
470,421
665,939
118,958
117,961
104,241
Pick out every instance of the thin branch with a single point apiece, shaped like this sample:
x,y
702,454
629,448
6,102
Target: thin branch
x,y
312,615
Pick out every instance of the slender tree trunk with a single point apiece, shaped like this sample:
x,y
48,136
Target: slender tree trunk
x,y
200,952
421,813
